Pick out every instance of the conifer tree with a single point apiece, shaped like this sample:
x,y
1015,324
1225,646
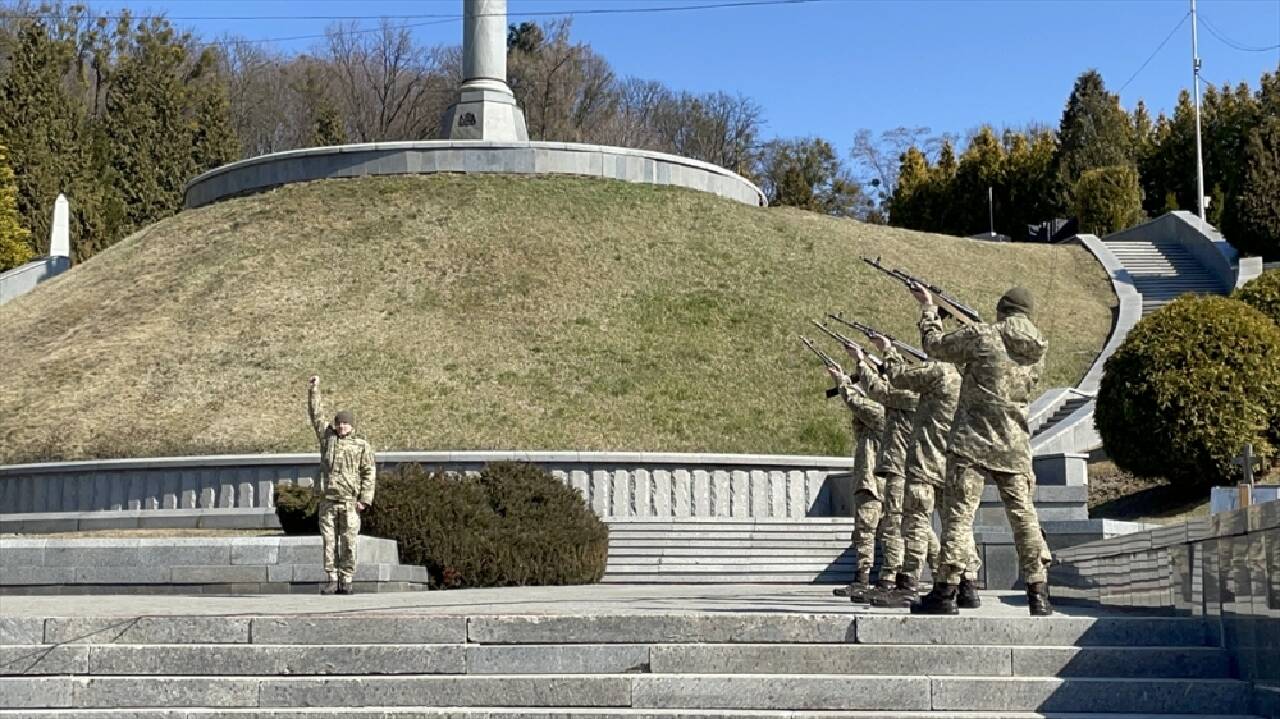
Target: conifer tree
x,y
1094,132
1252,218
15,245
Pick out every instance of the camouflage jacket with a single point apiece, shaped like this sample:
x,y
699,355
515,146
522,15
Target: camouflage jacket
x,y
938,387
1002,364
899,415
347,468
868,425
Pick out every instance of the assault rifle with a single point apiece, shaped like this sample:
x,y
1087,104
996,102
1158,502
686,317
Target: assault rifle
x,y
827,360
871,332
876,363
948,305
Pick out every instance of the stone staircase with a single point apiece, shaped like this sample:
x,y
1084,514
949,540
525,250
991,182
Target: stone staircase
x,y
1068,407
653,665
1162,271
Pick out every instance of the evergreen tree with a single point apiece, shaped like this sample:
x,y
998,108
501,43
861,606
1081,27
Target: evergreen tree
x,y
1094,132
43,124
1252,220
15,245
981,167
1107,199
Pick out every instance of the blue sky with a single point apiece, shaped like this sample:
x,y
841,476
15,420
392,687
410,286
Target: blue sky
x,y
830,67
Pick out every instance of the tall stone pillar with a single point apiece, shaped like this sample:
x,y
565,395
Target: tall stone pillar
x,y
486,109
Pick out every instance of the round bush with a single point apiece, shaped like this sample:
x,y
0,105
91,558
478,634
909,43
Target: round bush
x,y
1263,293
1190,385
1107,200
296,509
514,524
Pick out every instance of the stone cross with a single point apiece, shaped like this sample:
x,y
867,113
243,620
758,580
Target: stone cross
x,y
1247,462
486,108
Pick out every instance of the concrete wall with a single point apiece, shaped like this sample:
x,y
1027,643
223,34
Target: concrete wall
x,y
1225,568
614,485
426,157
24,278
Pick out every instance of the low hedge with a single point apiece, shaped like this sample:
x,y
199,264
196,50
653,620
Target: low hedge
x,y
512,524
296,509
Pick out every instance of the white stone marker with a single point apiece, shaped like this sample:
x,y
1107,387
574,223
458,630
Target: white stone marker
x,y
486,109
60,237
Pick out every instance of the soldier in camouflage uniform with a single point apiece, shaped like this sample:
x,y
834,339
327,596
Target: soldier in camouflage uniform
x,y
345,489
989,439
891,464
868,425
937,386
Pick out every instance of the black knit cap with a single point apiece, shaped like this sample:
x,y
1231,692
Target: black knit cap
x,y
1016,300
344,416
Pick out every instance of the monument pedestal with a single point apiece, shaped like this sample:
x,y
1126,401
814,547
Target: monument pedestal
x,y
485,113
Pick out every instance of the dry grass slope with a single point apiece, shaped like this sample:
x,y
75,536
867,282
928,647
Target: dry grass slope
x,y
454,312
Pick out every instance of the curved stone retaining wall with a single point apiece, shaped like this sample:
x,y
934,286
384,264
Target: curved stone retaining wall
x,y
432,156
1075,432
614,484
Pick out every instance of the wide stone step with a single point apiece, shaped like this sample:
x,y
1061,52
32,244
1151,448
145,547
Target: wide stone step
x,y
664,628
684,691
558,713
839,575
554,659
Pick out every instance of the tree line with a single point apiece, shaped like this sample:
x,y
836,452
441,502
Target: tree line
x,y
119,113
1106,166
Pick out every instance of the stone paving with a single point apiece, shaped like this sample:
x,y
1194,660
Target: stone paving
x,y
576,600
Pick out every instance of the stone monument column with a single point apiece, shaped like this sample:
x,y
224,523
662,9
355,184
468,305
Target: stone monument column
x,y
486,109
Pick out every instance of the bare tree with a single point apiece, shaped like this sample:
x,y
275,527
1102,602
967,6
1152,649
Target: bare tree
x,y
568,92
387,85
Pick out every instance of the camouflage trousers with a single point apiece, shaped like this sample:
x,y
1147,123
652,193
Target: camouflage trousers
x,y
891,526
339,527
946,496
964,493
880,517
867,509
921,544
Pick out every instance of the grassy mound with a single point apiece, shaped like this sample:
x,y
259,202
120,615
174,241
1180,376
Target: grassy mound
x,y
455,312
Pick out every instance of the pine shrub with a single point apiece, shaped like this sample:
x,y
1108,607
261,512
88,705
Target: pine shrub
x,y
1263,293
296,509
1190,385
512,525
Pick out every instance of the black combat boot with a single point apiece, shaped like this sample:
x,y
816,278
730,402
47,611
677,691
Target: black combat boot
x,y
884,586
967,595
344,587
1038,599
331,587
861,583
940,600
902,594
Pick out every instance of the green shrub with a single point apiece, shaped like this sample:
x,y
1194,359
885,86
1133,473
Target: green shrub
x,y
1107,200
296,509
1188,387
1263,293
514,524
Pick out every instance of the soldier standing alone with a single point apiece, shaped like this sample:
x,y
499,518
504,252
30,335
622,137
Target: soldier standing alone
x,y
344,490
